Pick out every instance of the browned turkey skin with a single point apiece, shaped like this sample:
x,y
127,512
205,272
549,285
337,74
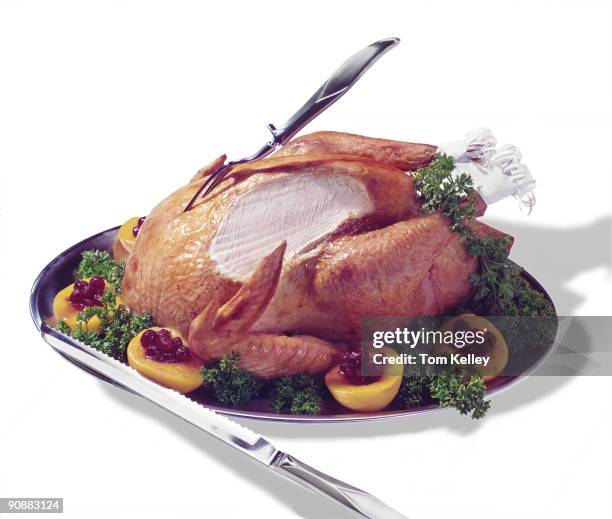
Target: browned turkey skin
x,y
287,255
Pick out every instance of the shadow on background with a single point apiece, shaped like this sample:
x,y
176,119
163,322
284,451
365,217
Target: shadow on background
x,y
303,502
554,256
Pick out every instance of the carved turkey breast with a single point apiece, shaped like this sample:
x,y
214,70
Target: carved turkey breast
x,y
286,256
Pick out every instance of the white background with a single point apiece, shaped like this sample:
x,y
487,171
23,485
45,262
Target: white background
x,y
106,106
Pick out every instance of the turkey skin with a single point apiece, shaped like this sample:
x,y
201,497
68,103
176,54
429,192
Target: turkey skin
x,y
286,256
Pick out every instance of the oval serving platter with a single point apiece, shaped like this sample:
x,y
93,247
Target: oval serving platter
x,y
59,273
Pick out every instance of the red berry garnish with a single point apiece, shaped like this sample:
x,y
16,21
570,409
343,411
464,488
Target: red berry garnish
x,y
183,354
85,294
162,347
164,339
136,228
351,369
149,339
97,284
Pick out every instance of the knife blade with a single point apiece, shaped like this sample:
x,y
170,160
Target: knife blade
x,y
227,431
328,93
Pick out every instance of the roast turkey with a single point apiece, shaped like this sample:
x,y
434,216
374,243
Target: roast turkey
x,y
286,256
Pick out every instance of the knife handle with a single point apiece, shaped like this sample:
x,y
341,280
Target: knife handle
x,y
356,500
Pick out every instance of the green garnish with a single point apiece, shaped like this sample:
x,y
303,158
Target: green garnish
x,y
447,389
440,192
414,390
118,326
500,290
464,393
300,393
100,263
230,384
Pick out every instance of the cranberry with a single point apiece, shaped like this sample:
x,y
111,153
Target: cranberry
x,y
162,347
164,340
86,294
351,369
485,347
183,354
489,339
97,284
149,339
136,228
80,286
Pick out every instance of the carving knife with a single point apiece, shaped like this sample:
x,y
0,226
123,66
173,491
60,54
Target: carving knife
x,y
229,432
328,93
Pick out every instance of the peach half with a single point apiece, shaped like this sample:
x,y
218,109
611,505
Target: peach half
x,y
181,376
367,397
125,234
119,252
64,311
494,347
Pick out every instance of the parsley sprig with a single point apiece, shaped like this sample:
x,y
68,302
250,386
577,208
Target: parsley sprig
x,y
118,325
301,394
453,196
229,383
448,388
100,263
